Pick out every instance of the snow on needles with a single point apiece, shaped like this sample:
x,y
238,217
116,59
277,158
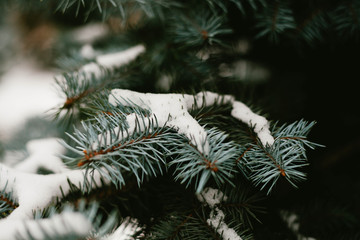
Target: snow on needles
x,y
172,110
261,125
110,61
212,197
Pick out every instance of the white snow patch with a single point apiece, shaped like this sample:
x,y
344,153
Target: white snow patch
x,y
90,33
87,51
118,59
111,60
43,153
164,82
107,61
25,92
211,197
259,123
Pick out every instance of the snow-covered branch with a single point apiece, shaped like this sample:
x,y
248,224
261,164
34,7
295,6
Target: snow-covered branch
x,y
213,197
34,191
59,225
111,60
261,126
172,110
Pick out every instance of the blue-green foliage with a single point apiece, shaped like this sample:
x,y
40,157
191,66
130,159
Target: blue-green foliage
x,y
151,150
285,158
308,21
198,28
123,8
276,19
141,152
192,165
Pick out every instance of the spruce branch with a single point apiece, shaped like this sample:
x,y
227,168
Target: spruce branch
x,y
188,226
279,18
254,4
172,110
136,149
192,165
120,8
346,19
137,143
285,158
241,5
199,28
77,87
89,79
311,29
243,205
171,228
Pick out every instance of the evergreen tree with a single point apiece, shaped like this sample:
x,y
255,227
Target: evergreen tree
x,y
168,127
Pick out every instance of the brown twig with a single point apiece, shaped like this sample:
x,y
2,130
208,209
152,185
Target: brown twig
x,y
243,154
281,170
209,165
89,155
